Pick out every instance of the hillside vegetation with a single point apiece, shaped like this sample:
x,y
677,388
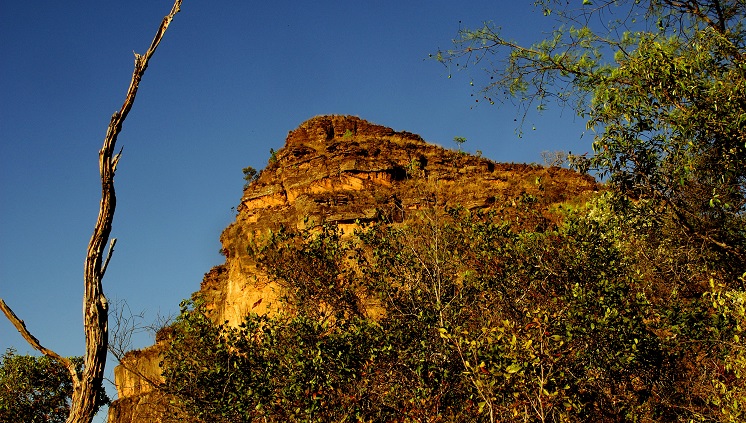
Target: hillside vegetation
x,y
371,277
463,316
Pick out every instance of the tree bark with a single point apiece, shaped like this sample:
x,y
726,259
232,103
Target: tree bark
x,y
87,384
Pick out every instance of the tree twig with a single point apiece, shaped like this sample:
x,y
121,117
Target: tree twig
x,y
31,339
112,243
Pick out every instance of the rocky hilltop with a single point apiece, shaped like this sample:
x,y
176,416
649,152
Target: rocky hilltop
x,y
347,171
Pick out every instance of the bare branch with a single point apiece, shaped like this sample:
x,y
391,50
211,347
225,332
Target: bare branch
x,y
115,160
31,339
111,246
124,324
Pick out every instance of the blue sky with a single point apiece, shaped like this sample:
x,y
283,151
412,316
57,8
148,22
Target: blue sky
x,y
228,82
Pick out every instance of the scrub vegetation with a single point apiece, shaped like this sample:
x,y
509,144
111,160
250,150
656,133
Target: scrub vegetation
x,y
630,307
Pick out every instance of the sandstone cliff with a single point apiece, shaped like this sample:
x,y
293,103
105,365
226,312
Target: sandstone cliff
x,y
344,170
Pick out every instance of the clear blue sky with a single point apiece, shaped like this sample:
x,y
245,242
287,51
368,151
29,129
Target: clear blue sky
x,y
230,79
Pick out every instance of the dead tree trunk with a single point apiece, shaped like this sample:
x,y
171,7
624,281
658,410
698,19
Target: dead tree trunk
x,y
87,383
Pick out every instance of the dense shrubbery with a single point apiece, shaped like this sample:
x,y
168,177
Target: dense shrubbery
x,y
464,317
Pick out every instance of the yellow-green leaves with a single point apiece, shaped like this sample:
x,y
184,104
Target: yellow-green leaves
x,y
513,368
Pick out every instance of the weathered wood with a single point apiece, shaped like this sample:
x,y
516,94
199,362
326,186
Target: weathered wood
x,y
31,339
95,306
87,383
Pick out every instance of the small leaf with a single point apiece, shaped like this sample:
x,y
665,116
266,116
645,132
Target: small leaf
x,y
513,368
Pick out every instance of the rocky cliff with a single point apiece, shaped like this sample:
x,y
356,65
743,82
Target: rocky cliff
x,y
347,171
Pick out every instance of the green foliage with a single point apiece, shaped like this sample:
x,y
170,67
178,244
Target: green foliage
x,y
312,266
459,141
465,317
662,85
272,369
36,389
272,156
249,175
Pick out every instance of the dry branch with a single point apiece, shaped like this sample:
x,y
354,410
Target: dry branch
x,y
31,339
87,384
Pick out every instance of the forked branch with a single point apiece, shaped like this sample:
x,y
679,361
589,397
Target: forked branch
x,y
87,384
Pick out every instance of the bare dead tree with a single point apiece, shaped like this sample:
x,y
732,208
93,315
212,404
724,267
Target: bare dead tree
x,y
87,383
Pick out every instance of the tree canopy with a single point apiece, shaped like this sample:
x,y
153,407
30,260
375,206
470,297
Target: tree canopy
x,y
662,85
36,389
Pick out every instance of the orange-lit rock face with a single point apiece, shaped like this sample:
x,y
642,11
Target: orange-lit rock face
x,y
345,170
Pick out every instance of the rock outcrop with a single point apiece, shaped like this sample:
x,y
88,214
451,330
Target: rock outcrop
x,y
347,171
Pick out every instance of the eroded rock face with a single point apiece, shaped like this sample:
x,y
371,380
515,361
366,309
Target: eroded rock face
x,y
345,170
